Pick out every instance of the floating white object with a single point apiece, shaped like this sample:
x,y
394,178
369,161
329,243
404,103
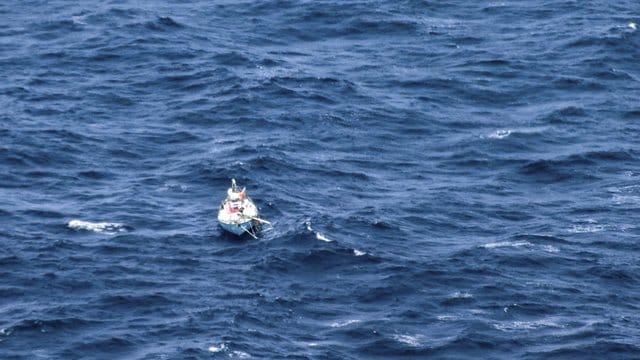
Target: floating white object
x,y
99,227
633,25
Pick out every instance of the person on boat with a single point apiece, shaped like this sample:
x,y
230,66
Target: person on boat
x,y
236,200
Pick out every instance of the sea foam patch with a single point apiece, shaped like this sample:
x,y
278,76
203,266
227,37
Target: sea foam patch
x,y
321,237
588,228
520,244
411,340
460,295
550,249
99,227
503,133
237,354
357,252
343,323
318,234
499,134
216,349
526,325
500,244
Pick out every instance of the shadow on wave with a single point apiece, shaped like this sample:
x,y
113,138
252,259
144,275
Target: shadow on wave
x,y
577,167
311,261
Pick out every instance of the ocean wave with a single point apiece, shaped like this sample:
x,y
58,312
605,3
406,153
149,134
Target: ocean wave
x,y
237,354
411,340
426,165
49,325
509,326
503,133
626,199
550,249
517,244
613,275
321,237
460,295
344,323
233,58
594,349
499,134
217,348
588,228
98,227
163,23
573,167
318,234
320,259
501,244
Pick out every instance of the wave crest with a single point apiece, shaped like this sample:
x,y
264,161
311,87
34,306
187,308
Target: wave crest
x,y
98,227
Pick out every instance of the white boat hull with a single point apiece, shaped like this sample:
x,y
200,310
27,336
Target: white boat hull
x,y
239,229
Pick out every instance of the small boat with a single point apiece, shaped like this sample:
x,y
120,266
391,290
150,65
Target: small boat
x,y
238,214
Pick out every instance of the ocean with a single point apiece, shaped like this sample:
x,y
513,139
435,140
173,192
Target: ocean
x,y
446,179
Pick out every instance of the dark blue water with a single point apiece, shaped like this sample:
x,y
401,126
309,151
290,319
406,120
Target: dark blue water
x,y
447,179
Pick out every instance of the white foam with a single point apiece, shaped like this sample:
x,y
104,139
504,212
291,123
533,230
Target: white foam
x,y
613,189
239,354
626,199
624,189
215,349
99,227
413,340
633,26
499,134
446,317
478,311
338,324
625,194
517,244
625,227
174,186
503,133
321,237
357,252
591,228
525,325
500,244
78,20
461,295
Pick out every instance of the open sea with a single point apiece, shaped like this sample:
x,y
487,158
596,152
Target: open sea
x,y
446,179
